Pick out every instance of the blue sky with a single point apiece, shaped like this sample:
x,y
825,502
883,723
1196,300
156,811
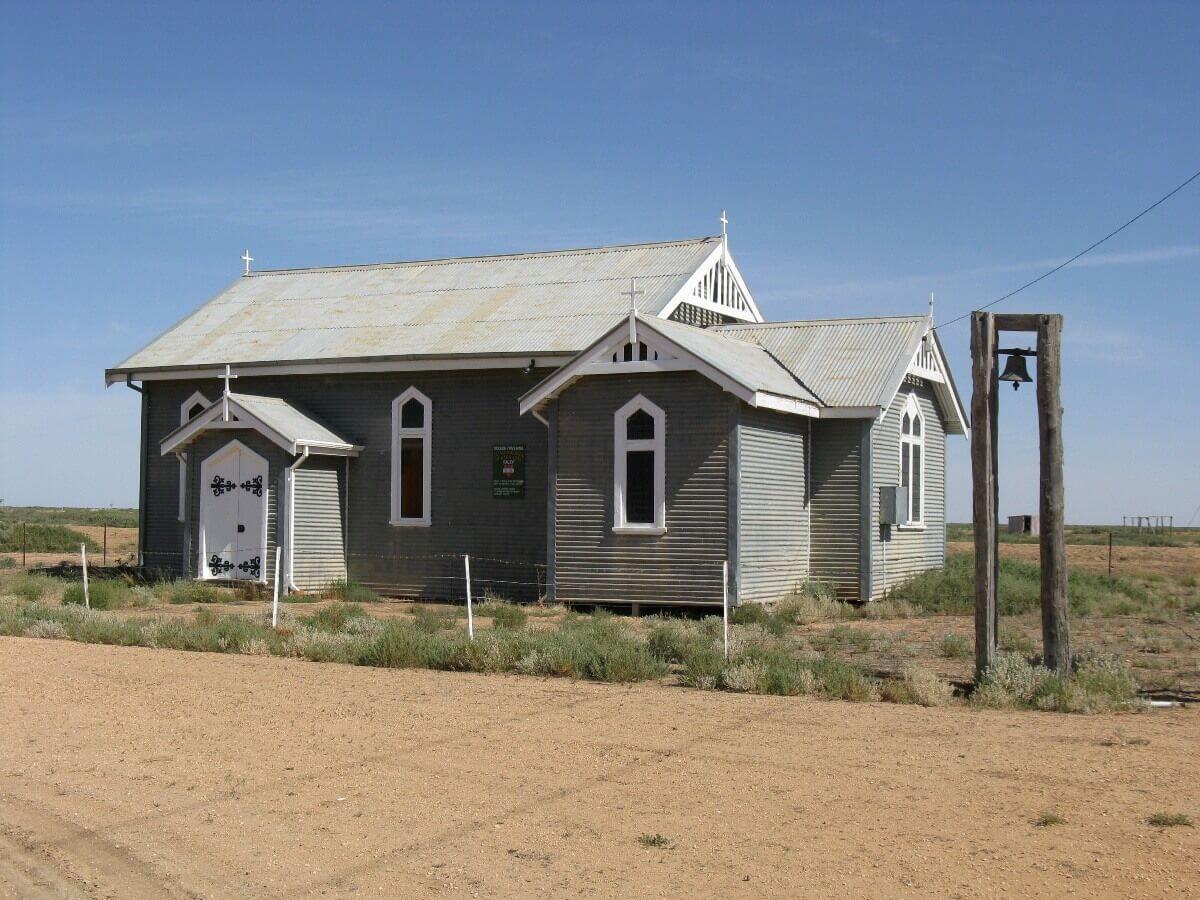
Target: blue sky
x,y
868,154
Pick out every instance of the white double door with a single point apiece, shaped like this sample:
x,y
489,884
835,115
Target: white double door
x,y
233,514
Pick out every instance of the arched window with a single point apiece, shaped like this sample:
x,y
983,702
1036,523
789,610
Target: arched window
x,y
412,424
188,410
912,460
639,467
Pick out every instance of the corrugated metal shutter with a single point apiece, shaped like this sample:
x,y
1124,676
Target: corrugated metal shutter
x,y
773,515
318,545
836,504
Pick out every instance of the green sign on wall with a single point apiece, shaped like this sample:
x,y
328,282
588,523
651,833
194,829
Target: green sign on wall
x,y
508,470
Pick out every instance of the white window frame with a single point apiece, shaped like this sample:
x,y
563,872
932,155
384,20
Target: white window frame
x,y
622,445
426,434
907,441
184,418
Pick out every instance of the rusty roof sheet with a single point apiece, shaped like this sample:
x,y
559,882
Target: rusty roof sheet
x,y
530,303
844,362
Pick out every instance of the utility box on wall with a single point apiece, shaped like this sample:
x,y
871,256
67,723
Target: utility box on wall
x,y
893,504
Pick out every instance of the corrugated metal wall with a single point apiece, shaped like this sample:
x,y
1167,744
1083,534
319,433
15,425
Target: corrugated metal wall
x,y
836,504
682,566
910,551
472,411
318,545
773,509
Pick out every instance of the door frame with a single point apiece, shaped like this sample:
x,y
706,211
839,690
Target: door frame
x,y
202,572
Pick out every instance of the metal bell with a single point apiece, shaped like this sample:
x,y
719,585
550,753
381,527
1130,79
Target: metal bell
x,y
1015,369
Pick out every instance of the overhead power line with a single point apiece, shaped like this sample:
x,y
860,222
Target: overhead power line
x,y
1161,200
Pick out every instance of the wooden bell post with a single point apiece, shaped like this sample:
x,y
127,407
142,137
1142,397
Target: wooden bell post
x,y
985,357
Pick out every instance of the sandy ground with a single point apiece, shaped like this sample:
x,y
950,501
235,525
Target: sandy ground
x,y
134,772
1178,561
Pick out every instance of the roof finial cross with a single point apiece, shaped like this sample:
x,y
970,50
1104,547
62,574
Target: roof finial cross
x,y
724,225
632,294
247,259
931,304
225,394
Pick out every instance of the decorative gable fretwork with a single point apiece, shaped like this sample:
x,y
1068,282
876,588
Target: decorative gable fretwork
x,y
926,362
639,353
718,287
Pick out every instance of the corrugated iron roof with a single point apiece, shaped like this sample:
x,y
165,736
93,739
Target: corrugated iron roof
x,y
530,303
288,421
745,361
844,362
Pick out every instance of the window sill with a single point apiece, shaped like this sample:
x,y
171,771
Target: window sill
x,y
409,523
915,526
639,529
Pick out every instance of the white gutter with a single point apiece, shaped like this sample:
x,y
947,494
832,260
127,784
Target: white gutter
x,y
290,487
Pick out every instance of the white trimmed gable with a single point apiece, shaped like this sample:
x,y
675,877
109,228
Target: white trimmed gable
x,y
717,287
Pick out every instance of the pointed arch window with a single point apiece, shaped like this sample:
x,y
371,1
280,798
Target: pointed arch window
x,y
188,410
912,460
639,468
412,431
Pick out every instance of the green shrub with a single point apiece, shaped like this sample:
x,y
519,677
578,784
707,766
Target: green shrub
x,y
333,618
43,539
1100,683
1169,820
670,641
103,593
503,614
190,591
951,590
28,587
351,592
7,562
954,646
758,614
434,618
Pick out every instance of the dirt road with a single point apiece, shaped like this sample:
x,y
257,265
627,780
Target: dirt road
x,y
134,772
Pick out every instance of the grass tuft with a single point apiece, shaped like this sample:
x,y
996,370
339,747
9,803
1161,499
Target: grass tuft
x,y
1169,820
955,646
1047,819
351,592
655,840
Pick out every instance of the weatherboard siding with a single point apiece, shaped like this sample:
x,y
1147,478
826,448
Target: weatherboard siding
x,y
591,563
472,411
836,505
318,544
910,550
773,509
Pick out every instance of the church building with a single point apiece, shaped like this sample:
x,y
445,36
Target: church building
x,y
616,425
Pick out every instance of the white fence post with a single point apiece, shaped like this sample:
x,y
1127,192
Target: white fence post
x,y
275,601
470,612
725,602
87,601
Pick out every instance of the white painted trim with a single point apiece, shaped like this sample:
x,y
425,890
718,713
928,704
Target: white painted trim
x,y
212,419
202,571
912,408
187,404
685,293
425,433
290,537
622,445
600,367
430,364
767,400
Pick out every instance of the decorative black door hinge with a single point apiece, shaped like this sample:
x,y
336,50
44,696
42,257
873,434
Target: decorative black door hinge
x,y
221,486
252,566
253,485
217,565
